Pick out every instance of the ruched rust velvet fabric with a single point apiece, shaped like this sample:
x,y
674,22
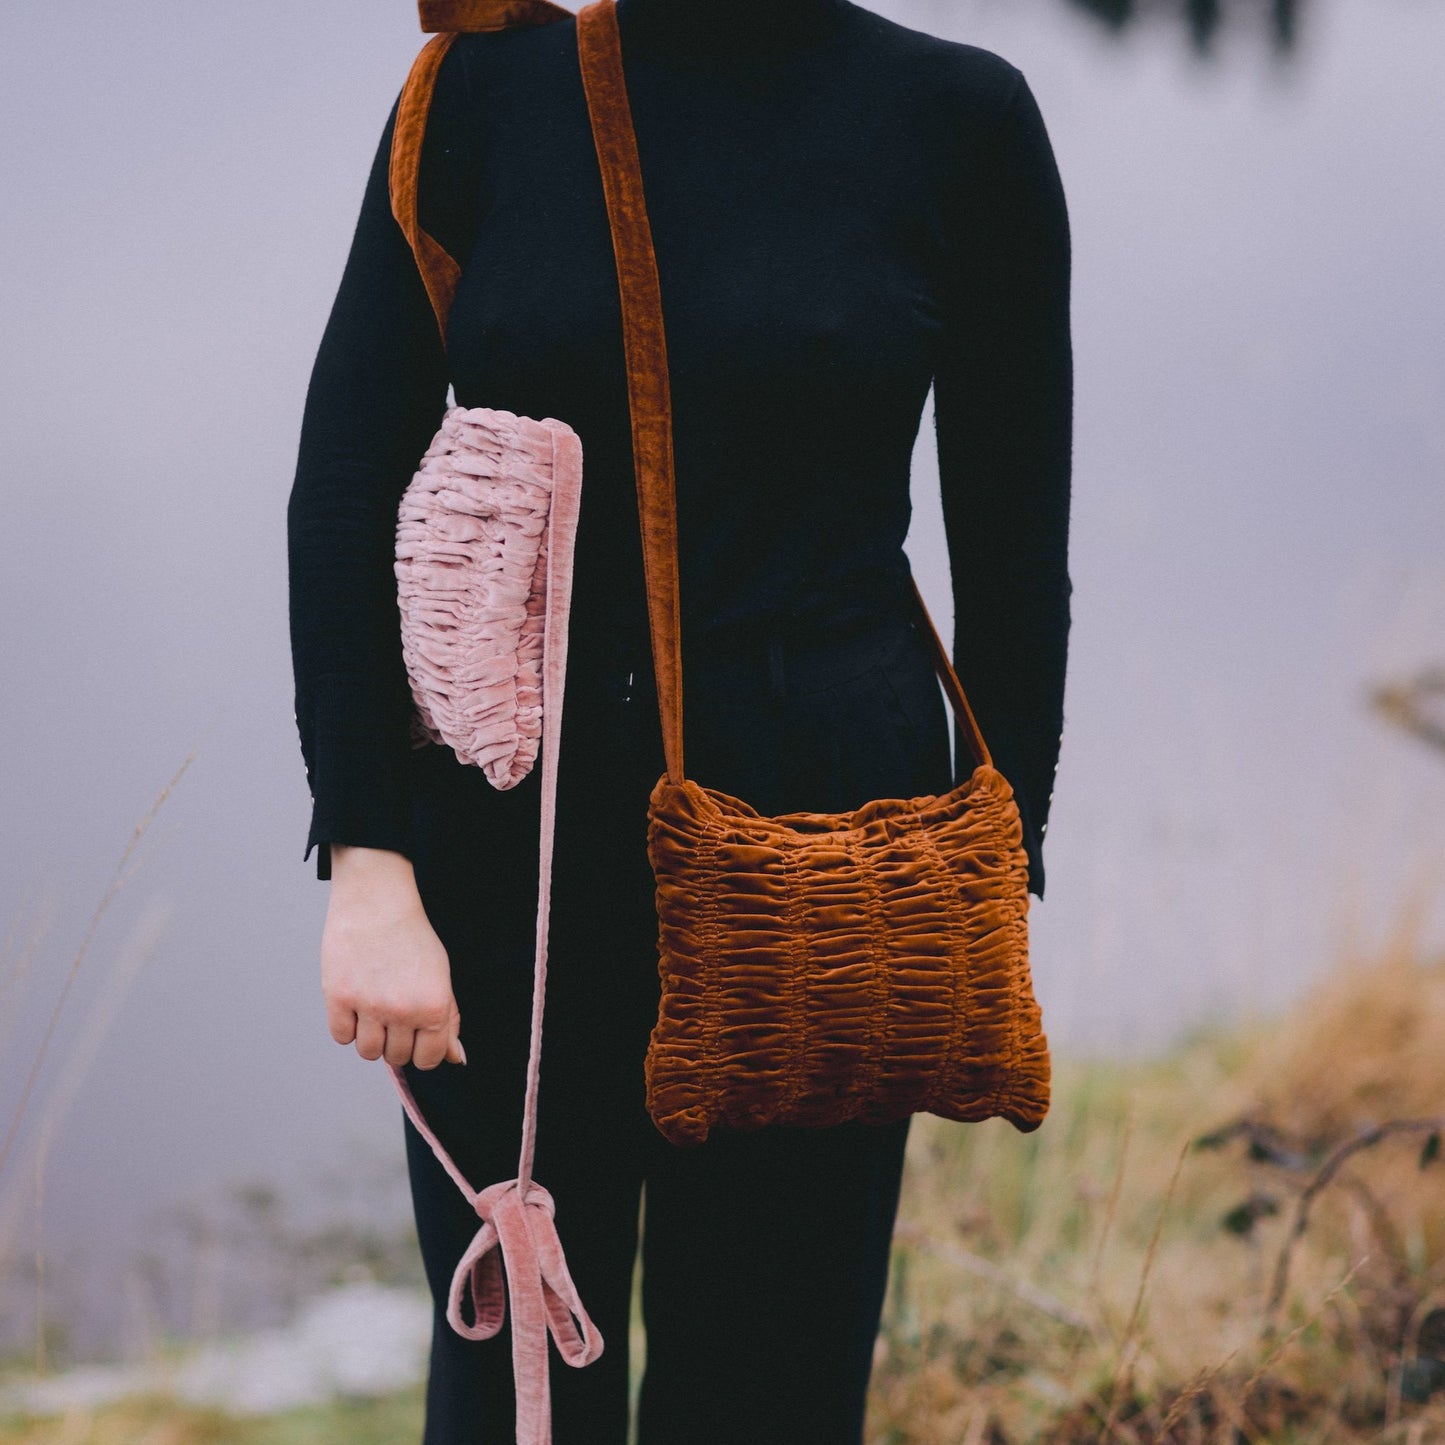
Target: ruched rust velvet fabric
x,y
821,967
814,968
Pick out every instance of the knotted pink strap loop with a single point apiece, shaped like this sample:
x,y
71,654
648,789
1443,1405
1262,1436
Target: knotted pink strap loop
x,y
543,1297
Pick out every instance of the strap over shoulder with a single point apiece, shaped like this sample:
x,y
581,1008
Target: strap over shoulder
x,y
459,15
448,19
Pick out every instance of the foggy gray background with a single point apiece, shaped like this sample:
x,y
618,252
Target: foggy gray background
x,y
1259,512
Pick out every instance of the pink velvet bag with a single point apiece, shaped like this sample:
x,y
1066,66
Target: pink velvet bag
x,y
485,535
484,546
495,493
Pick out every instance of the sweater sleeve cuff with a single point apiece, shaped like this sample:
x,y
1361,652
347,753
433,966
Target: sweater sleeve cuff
x,y
360,775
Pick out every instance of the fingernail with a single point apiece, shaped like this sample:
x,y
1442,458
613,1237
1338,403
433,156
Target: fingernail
x,y
461,1051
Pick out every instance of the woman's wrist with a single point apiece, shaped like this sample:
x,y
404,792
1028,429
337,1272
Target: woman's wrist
x,y
358,868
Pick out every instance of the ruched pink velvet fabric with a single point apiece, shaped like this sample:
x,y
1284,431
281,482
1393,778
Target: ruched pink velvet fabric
x,y
471,573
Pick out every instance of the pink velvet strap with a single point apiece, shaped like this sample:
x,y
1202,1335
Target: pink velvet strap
x,y
518,1214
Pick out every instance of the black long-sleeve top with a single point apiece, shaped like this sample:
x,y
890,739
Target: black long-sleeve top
x,y
845,210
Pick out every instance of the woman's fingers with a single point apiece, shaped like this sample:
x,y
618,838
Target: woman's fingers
x,y
430,1047
441,1044
370,1036
399,1043
455,1052
341,1020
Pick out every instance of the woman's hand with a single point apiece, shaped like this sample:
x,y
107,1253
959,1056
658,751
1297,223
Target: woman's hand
x,y
385,974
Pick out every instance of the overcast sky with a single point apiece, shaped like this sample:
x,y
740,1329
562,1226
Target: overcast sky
x,y
1259,513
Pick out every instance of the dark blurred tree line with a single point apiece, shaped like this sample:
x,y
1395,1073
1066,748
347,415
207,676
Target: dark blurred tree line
x,y
1204,18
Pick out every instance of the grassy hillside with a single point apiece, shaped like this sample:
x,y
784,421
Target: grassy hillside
x,y
1242,1242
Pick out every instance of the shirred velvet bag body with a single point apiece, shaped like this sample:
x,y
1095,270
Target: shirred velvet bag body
x,y
496,494
814,968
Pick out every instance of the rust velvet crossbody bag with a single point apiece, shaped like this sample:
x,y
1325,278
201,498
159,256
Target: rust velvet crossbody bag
x,y
814,967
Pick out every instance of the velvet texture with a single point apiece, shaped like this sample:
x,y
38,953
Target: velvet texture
x,y
814,968
439,270
518,1225
825,967
474,15
472,542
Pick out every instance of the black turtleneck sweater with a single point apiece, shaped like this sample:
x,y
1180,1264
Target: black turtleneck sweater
x,y
844,211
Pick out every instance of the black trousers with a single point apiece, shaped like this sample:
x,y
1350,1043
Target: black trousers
x,y
764,1253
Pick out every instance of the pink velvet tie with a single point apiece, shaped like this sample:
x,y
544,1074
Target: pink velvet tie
x,y
518,1214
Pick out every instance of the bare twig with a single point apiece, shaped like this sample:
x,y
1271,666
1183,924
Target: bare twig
x,y
122,872
40,1253
1125,1366
1266,1144
1071,1365
1326,1172
16,967
1110,1209
1186,1397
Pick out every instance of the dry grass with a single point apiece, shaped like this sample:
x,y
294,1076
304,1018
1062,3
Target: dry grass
x,y
16,969
1110,1276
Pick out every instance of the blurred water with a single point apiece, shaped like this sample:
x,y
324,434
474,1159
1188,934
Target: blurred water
x,y
357,1339
1259,512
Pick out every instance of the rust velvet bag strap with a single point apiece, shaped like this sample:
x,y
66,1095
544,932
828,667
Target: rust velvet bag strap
x,y
600,51
440,271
